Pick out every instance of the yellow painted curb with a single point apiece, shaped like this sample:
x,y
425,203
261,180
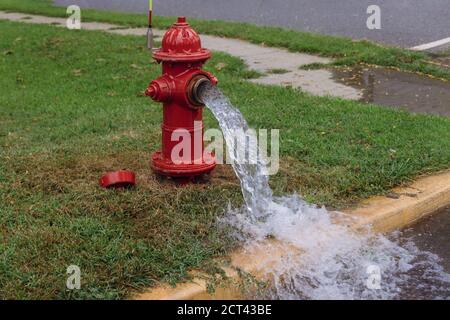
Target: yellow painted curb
x,y
405,205
400,208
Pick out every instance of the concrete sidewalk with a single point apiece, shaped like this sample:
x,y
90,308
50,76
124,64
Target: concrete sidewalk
x,y
259,58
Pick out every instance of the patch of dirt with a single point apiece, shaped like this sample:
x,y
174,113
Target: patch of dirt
x,y
59,174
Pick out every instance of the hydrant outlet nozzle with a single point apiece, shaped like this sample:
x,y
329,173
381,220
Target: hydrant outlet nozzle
x,y
194,89
160,90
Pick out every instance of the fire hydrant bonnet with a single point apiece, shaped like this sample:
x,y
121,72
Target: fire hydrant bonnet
x,y
181,44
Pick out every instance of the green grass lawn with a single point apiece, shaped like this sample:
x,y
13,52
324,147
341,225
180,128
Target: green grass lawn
x,y
71,108
345,50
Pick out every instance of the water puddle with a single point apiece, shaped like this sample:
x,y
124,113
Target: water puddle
x,y
392,88
335,262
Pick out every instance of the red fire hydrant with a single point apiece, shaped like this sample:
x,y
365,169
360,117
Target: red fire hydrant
x,y
182,58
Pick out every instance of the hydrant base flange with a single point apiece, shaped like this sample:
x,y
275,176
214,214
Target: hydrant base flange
x,y
167,168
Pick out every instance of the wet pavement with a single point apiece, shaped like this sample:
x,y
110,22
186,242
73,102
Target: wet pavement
x,y
433,234
408,91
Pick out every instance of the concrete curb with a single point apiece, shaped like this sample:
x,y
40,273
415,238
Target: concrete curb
x,y
405,205
258,58
402,207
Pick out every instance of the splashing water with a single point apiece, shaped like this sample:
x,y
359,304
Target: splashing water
x,y
335,261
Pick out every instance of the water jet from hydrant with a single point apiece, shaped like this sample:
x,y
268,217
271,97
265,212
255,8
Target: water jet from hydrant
x,y
336,262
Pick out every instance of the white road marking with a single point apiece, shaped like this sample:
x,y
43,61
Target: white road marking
x,y
430,45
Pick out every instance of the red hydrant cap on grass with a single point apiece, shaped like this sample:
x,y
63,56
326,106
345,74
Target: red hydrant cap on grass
x,y
118,179
181,44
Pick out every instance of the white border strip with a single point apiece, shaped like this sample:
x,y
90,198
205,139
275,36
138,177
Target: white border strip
x,y
430,45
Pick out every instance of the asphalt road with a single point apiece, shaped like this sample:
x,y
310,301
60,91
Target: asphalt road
x,y
404,23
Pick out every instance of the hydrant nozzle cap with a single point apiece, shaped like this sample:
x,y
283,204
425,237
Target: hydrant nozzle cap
x,y
118,180
151,91
160,89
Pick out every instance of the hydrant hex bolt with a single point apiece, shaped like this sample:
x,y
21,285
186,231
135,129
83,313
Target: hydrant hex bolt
x,y
182,58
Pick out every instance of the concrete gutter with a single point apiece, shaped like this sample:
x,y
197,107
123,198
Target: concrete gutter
x,y
401,207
